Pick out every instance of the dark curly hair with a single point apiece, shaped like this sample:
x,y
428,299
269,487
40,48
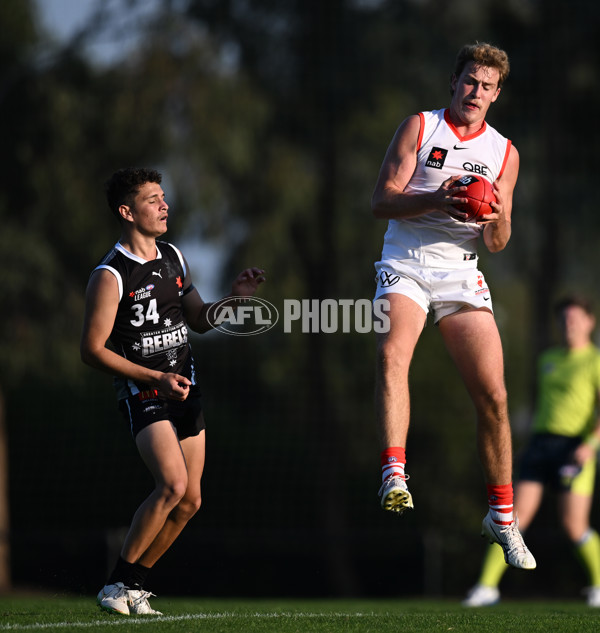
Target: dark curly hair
x,y
124,184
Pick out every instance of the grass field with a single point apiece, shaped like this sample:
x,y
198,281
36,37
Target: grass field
x,y
182,615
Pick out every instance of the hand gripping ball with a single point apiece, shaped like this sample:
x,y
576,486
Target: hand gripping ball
x,y
479,194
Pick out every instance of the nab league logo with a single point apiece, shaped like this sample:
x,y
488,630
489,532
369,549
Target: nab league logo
x,y
436,158
142,293
242,316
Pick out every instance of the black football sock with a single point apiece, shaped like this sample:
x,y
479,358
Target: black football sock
x,y
120,573
132,575
137,576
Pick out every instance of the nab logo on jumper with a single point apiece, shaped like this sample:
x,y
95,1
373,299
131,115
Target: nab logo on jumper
x,y
436,158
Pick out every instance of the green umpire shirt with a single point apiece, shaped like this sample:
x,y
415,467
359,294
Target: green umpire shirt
x,y
568,383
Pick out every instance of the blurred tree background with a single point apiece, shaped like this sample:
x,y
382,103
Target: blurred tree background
x,y
269,120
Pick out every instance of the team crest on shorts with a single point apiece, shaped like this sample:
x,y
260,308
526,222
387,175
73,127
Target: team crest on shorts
x,y
437,157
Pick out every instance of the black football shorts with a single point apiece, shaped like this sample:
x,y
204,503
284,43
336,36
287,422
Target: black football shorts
x,y
546,457
147,407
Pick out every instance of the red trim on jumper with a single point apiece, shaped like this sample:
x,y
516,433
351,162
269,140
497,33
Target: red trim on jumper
x,y
508,146
421,130
458,135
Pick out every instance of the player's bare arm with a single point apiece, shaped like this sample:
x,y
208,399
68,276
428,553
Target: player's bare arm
x,y
196,310
498,225
102,300
389,198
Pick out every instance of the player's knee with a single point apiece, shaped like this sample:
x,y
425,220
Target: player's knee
x,y
392,357
493,403
188,506
173,491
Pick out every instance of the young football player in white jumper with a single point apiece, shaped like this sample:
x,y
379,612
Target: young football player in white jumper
x,y
429,263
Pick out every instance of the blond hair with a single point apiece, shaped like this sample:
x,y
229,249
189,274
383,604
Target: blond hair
x,y
483,54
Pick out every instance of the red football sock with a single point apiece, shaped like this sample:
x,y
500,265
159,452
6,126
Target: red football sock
x,y
393,460
500,500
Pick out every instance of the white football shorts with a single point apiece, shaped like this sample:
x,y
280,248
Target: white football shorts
x,y
442,291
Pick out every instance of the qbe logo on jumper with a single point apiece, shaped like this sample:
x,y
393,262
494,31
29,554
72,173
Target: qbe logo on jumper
x,y
242,316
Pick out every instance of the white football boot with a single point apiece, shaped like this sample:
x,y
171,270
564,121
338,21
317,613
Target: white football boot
x,y
593,596
138,602
510,540
394,494
114,599
482,596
